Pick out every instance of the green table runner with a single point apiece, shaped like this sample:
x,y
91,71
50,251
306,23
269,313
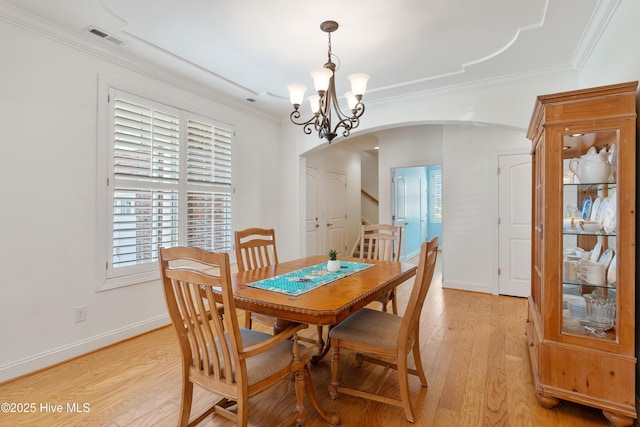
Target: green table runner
x,y
301,281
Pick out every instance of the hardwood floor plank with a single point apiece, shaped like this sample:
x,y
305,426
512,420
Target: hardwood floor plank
x,y
457,375
496,411
520,413
471,410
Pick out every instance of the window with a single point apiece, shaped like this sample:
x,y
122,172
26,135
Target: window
x,y
435,180
170,183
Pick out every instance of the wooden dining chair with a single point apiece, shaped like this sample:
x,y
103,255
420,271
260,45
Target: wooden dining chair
x,y
256,248
382,242
231,362
387,339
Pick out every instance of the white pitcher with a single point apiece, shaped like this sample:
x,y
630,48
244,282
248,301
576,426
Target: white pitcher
x,y
592,167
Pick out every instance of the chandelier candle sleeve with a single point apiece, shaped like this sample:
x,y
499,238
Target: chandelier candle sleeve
x,y
325,104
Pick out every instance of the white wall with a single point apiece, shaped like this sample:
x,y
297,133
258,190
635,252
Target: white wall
x,y
469,223
48,182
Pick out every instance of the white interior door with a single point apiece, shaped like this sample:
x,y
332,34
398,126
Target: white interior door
x,y
335,190
514,241
313,236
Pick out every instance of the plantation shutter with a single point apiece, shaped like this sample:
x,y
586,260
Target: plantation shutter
x,y
146,153
209,181
170,185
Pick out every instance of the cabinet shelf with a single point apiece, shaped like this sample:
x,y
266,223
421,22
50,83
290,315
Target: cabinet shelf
x,y
577,327
591,184
586,233
590,285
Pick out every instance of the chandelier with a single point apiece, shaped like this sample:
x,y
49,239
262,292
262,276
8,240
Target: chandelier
x,y
326,100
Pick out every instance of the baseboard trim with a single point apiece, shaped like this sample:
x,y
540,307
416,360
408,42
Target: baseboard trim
x,y
54,356
466,286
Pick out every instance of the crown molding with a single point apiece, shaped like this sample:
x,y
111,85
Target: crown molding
x,y
591,36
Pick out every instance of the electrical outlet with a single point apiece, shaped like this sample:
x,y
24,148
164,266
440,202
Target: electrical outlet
x,y
81,313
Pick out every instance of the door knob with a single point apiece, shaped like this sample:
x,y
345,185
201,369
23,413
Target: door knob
x,y
329,224
317,225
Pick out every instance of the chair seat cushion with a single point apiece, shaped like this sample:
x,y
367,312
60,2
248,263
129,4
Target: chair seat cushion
x,y
265,364
370,327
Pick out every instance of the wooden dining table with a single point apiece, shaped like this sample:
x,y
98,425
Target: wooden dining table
x,y
325,305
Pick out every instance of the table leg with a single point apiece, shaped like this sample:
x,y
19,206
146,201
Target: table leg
x,y
330,417
324,349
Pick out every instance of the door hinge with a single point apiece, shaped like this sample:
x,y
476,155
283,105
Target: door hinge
x,y
498,221
106,265
498,171
499,272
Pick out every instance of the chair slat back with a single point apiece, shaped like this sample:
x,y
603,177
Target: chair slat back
x,y
255,248
426,267
209,340
380,242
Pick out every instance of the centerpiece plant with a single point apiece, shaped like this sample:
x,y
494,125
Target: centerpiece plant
x,y
333,264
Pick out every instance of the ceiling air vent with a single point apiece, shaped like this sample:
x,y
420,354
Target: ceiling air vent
x,y
103,35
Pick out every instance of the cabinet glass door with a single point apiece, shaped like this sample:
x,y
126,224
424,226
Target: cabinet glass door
x,y
589,264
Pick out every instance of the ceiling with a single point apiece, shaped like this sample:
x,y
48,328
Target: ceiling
x,y
250,49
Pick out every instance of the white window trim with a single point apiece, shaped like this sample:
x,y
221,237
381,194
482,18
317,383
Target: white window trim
x,y
104,192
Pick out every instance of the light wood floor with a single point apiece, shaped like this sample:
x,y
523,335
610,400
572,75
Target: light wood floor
x,y
474,352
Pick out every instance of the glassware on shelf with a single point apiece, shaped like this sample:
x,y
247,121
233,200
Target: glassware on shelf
x,y
601,313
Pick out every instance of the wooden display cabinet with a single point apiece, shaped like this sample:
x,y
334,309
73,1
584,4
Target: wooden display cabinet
x,y
574,355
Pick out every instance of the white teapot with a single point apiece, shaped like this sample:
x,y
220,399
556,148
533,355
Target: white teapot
x,y
592,167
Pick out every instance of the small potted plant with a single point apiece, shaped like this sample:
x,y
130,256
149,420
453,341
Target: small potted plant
x,y
333,264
